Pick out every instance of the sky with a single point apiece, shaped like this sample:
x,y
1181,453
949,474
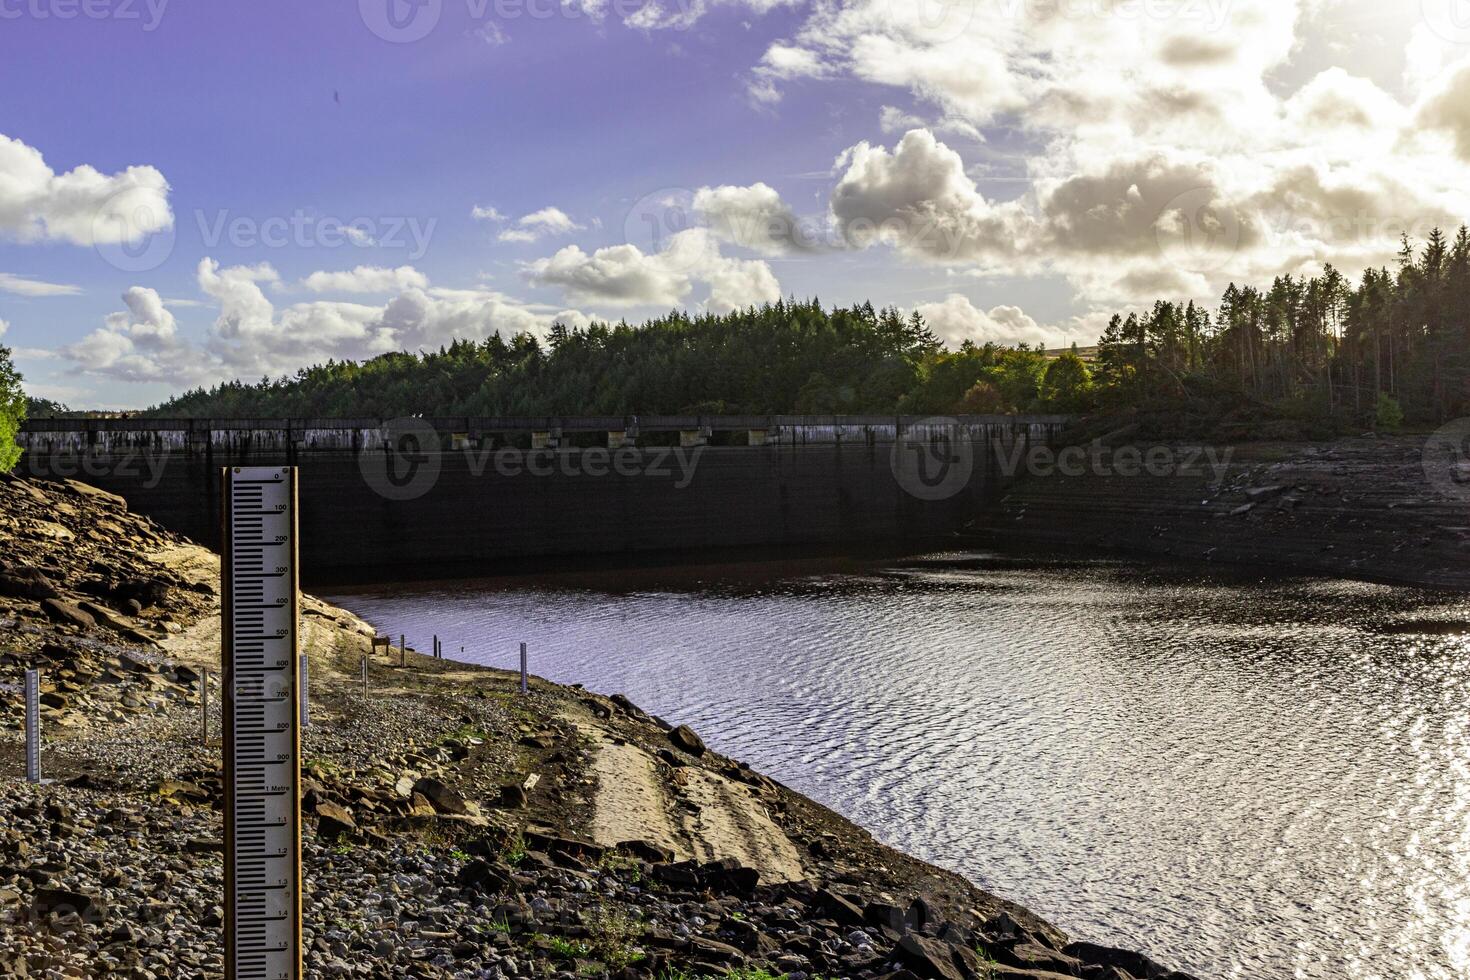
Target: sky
x,y
192,192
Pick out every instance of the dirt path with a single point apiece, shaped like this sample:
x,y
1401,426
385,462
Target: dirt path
x,y
630,802
726,822
691,811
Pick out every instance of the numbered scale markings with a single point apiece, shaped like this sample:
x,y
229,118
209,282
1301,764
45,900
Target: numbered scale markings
x,y
33,726
262,725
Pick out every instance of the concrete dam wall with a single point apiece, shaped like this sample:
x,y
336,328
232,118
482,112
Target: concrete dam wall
x,y
483,496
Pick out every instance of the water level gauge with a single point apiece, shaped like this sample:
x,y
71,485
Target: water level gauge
x,y
262,747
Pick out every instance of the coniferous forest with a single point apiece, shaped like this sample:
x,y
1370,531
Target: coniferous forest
x,y
1306,356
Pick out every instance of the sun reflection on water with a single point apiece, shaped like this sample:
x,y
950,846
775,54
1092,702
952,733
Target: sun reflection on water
x,y
1249,777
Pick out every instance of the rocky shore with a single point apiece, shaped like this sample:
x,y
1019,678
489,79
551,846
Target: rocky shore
x,y
1374,508
455,827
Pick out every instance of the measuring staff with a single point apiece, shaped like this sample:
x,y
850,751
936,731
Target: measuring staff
x,y
260,589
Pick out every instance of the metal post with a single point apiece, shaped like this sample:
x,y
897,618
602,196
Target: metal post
x,y
204,707
524,685
402,650
33,726
303,684
364,678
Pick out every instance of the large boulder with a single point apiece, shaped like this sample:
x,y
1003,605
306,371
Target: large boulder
x,y
485,877
67,613
685,738
333,821
443,799
729,877
929,957
1034,956
97,496
645,850
1133,963
839,908
48,902
27,583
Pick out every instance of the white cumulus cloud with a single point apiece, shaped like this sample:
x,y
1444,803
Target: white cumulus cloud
x,y
83,206
624,276
957,320
541,224
251,336
1168,146
755,217
140,343
366,279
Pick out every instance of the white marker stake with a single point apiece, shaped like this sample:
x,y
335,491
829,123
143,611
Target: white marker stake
x,y
33,726
524,685
262,739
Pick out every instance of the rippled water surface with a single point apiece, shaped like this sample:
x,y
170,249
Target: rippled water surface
x,y
1246,777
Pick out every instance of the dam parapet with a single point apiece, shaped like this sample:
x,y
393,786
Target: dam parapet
x,y
242,436
453,496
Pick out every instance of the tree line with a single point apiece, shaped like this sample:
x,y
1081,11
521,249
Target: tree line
x,y
1309,356
1319,349
787,357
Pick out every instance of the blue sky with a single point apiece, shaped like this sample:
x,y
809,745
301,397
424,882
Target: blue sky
x,y
175,178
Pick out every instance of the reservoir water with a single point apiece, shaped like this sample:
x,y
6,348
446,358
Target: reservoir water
x,y
1246,776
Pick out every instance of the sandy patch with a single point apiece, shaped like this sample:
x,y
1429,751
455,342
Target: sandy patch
x,y
631,803
726,822
700,814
